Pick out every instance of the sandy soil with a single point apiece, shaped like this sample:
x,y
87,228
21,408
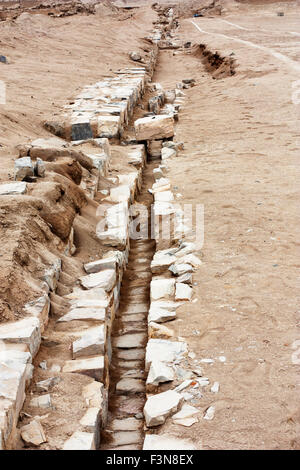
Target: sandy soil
x,y
240,161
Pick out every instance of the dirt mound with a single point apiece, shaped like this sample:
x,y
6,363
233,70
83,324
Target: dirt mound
x,y
217,65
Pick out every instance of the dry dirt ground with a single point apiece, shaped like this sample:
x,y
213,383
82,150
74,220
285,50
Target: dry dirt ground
x,y
240,161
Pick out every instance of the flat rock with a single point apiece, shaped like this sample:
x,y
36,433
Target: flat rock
x,y
100,265
159,407
23,168
167,153
127,341
179,269
154,127
162,289
161,262
33,433
86,314
183,291
160,315
164,350
13,188
93,367
121,438
126,424
93,394
45,385
164,196
105,279
166,442
91,420
23,331
135,308
130,386
159,372
43,401
91,343
80,441
187,411
131,354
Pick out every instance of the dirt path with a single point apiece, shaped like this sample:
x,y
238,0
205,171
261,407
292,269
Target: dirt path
x,y
240,161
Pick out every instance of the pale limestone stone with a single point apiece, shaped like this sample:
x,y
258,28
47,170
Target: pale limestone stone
x,y
39,308
163,184
93,394
163,208
100,265
161,262
215,388
209,413
187,422
136,308
43,401
126,424
127,341
109,126
189,259
162,289
167,153
187,411
120,194
154,127
186,248
116,237
33,433
52,273
12,384
160,315
164,350
23,168
11,357
122,438
183,291
90,421
164,196
91,343
96,298
80,441
166,442
105,279
180,268
117,215
45,385
159,372
159,407
40,168
130,385
86,314
186,278
93,367
23,331
13,188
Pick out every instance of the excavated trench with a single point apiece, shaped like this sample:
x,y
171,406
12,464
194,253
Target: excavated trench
x,y
127,392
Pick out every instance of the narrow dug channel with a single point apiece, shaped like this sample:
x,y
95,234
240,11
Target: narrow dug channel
x,y
130,333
